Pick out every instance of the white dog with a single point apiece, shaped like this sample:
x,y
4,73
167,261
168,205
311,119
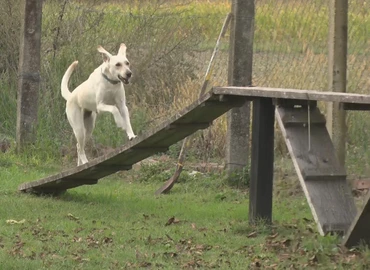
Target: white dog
x,y
103,91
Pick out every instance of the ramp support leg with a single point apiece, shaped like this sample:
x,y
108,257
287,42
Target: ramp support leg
x,y
262,161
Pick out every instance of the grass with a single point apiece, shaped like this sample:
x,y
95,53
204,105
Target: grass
x,y
120,224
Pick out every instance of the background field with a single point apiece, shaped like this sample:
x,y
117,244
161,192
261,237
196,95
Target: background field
x,y
120,223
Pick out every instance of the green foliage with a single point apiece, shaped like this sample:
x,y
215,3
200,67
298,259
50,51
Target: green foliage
x,y
239,178
73,29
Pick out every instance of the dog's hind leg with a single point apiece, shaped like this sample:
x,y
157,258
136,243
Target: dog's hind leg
x,y
89,123
75,118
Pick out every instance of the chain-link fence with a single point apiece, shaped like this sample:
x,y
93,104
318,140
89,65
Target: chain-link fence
x,y
290,45
291,51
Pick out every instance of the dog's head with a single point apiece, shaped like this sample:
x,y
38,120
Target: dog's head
x,y
117,65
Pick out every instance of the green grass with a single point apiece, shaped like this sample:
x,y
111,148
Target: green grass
x,y
120,224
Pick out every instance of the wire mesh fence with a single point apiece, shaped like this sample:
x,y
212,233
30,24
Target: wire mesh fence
x,y
290,45
291,51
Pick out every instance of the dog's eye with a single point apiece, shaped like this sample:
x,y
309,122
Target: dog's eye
x,y
118,65
127,63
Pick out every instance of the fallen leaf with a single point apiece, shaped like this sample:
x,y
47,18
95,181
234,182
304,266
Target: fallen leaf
x,y
257,264
55,256
193,226
252,234
107,240
313,259
12,221
72,217
170,254
170,221
286,242
272,236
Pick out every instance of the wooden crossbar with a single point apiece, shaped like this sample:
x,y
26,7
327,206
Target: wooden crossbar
x,y
348,101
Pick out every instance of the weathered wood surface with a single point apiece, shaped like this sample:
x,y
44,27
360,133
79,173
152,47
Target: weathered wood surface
x,y
197,116
346,100
359,231
322,177
262,161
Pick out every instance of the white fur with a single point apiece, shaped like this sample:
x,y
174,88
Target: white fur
x,y
97,94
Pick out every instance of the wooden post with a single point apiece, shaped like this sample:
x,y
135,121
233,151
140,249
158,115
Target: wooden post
x,y
240,74
262,164
338,31
29,73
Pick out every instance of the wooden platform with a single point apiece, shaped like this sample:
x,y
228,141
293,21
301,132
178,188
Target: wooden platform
x,y
197,116
348,101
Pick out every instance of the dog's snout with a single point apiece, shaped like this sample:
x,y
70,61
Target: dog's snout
x,y
128,74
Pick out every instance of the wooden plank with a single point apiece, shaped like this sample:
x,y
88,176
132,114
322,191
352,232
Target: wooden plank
x,y
291,117
354,107
326,173
196,126
283,93
262,161
359,230
286,103
196,116
329,195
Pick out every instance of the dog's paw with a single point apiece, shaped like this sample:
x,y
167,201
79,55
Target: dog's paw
x,y
131,137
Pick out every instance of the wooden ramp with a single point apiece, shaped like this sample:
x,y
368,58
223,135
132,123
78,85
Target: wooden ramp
x,y
197,116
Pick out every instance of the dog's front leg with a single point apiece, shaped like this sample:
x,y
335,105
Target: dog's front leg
x,y
101,107
126,117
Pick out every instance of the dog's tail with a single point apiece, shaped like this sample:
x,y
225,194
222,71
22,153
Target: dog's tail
x,y
64,85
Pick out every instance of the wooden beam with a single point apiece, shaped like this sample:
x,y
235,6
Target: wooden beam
x,y
262,161
354,107
359,231
284,93
322,177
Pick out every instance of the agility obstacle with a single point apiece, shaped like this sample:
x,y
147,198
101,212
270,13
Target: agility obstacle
x,y
322,177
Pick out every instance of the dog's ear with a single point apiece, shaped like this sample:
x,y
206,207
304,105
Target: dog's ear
x,y
122,49
106,55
